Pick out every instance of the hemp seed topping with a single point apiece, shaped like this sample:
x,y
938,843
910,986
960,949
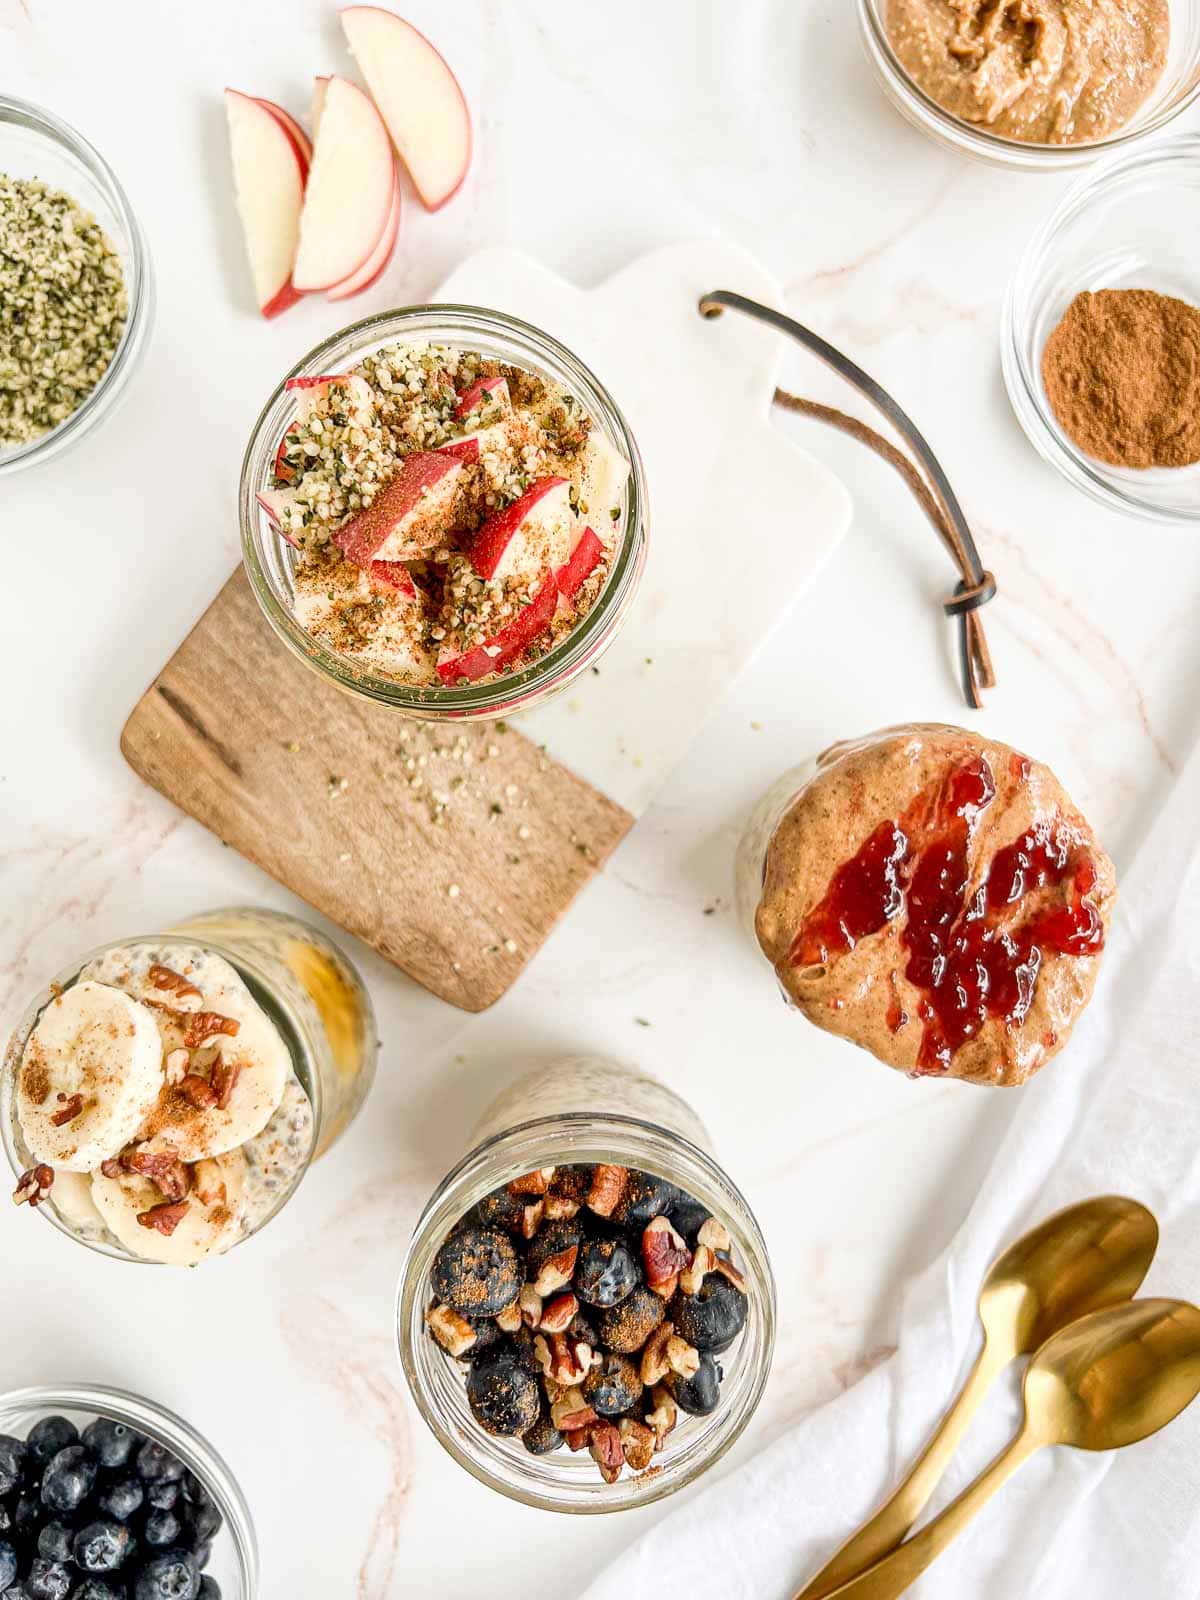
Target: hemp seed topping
x,y
63,306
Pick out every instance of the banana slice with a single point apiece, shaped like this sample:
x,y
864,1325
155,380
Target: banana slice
x,y
602,482
71,1198
228,1083
91,1072
206,1223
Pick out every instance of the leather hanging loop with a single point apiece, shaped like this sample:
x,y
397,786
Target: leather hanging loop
x,y
924,477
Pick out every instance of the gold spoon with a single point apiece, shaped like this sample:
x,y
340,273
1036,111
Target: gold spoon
x,y
1110,1379
1079,1260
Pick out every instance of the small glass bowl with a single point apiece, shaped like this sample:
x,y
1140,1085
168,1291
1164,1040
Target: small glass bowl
x,y
36,144
1174,92
270,560
234,1560
1118,228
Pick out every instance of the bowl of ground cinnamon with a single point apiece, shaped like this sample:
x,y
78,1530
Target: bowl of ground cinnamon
x,y
1101,339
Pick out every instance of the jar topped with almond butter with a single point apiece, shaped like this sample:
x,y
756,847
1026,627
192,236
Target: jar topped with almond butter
x,y
162,1100
586,1316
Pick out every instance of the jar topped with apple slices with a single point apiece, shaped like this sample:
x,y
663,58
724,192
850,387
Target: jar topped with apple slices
x,y
443,509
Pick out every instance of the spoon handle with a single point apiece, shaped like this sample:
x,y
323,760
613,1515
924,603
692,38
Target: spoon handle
x,y
891,1576
890,1524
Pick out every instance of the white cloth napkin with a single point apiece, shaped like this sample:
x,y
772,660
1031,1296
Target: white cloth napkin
x,y
1119,1112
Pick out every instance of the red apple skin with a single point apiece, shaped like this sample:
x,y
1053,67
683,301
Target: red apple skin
x,y
465,449
300,140
509,642
283,301
282,470
494,537
393,575
367,532
315,383
474,395
384,251
583,561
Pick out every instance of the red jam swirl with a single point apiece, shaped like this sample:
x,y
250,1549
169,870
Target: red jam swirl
x,y
970,958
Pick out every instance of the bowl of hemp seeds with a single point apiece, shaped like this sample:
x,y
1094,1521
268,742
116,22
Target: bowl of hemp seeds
x,y
76,291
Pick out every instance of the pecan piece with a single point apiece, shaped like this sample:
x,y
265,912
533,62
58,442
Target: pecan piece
x,y
576,1439
638,1443
72,1107
557,1271
529,1302
34,1186
164,1219
202,1025
176,1066
729,1271
605,1446
187,996
560,1208
531,1218
197,1091
682,1358
532,1183
569,1359
654,1364
454,1333
692,1277
608,1185
165,1170
225,1075
664,1416
571,1412
509,1320
111,1168
209,1183
664,1253
715,1235
558,1316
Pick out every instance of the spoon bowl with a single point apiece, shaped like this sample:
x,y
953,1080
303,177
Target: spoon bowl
x,y
1115,1377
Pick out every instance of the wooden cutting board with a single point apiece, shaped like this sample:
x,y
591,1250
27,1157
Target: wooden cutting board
x,y
452,851
257,747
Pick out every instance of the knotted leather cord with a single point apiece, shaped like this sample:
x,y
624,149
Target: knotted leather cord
x,y
976,585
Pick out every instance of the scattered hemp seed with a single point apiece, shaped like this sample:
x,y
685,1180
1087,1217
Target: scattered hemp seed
x,y
337,787
454,891
511,946
641,1022
757,726
524,831
63,306
291,746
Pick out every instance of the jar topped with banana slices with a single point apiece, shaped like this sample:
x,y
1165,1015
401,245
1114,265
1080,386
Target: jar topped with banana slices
x,y
163,1099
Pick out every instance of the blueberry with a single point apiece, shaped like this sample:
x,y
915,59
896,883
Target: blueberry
x,y
13,1455
503,1396
27,1516
50,1435
55,1542
605,1273
612,1387
556,1237
8,1565
712,1319
688,1216
112,1442
486,1335
582,1327
97,1589
122,1498
477,1272
210,1589
500,1210
194,1491
625,1328
162,1529
156,1464
571,1183
543,1438
645,1198
6,1521
202,1551
163,1494
69,1478
698,1395
48,1580
102,1546
204,1520
173,1576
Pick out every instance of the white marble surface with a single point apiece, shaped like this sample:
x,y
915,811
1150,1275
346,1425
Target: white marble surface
x,y
602,131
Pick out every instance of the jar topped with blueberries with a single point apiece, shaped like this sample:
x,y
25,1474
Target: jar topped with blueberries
x,y
587,1313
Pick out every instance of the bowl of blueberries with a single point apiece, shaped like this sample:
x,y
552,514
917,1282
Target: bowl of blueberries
x,y
107,1496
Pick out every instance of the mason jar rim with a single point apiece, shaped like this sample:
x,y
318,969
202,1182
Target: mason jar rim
x,y
570,1484
167,1428
514,691
978,141
14,1052
99,401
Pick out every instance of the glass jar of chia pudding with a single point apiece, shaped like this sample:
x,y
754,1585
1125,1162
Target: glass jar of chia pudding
x,y
596,1116
162,1099
386,590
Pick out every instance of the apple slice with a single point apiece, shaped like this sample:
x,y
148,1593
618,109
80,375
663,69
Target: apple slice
x,y
418,97
584,559
349,194
529,537
291,127
358,402
373,266
504,647
320,89
410,514
275,502
269,176
393,576
479,392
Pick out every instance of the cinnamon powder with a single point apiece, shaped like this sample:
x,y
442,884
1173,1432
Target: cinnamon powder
x,y
1122,375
